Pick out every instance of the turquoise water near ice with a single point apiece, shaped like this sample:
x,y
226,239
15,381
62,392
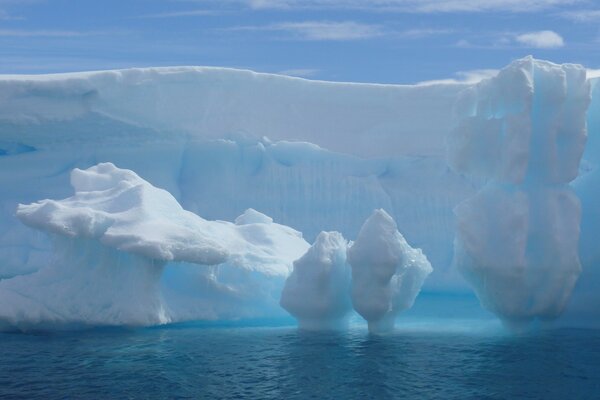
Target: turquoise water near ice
x,y
461,360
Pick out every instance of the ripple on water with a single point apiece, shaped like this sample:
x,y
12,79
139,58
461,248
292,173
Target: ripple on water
x,y
276,363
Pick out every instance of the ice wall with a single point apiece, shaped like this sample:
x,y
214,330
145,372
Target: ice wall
x,y
517,240
199,133
366,120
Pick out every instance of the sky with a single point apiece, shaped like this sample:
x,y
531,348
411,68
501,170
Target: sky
x,y
382,41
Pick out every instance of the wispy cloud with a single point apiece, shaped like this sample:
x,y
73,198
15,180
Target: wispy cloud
x,y
507,40
340,31
412,6
582,15
419,33
321,30
38,33
179,14
50,33
541,39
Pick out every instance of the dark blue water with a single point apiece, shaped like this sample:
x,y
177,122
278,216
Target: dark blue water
x,y
281,363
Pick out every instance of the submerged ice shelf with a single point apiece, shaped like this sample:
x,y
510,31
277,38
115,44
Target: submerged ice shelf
x,y
336,152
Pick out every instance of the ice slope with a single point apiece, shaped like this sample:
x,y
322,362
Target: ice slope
x,y
113,239
517,239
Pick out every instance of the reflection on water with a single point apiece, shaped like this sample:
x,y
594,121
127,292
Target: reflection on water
x,y
277,363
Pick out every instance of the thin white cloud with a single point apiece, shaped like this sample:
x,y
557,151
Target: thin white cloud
x,y
321,30
179,14
340,31
38,33
412,6
582,15
507,40
51,33
541,39
418,33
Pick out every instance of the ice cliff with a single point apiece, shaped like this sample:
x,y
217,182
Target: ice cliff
x,y
314,156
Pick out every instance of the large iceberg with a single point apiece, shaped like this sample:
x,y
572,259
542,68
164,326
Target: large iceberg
x,y
517,239
315,156
113,239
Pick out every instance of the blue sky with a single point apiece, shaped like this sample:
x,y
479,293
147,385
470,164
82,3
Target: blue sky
x,y
387,41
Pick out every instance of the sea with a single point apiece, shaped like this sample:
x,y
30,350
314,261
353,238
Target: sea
x,y
426,360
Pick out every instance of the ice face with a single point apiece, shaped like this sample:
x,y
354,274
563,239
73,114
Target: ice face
x,y
317,293
517,239
113,239
387,274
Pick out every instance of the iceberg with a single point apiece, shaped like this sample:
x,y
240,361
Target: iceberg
x,y
317,293
523,131
387,274
445,160
114,238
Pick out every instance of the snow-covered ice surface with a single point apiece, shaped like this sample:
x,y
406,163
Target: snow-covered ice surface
x,y
315,156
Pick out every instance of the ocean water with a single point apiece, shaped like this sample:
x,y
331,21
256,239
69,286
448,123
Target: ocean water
x,y
426,361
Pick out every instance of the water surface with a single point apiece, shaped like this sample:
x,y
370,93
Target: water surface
x,y
284,363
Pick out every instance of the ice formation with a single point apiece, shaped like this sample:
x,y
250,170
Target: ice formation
x,y
317,293
336,152
387,274
517,239
113,239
